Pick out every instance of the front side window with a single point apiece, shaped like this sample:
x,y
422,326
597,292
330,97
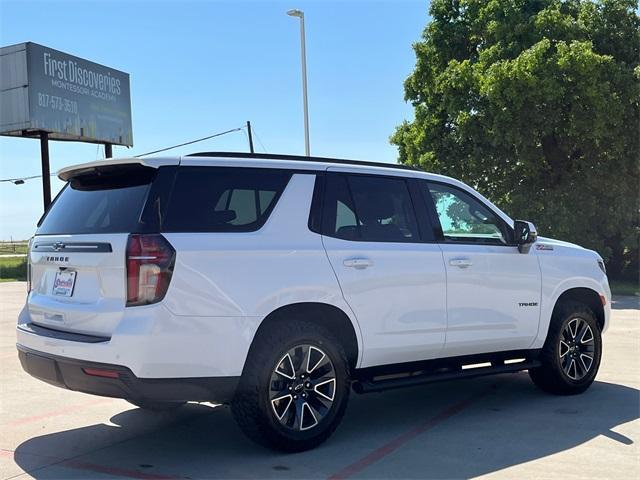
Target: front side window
x,y
368,208
464,219
221,199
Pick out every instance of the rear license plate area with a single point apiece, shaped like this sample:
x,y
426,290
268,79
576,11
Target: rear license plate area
x,y
64,283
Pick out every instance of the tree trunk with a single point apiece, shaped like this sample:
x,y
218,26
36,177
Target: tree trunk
x,y
616,262
555,156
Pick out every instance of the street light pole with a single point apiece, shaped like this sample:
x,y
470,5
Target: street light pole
x,y
303,52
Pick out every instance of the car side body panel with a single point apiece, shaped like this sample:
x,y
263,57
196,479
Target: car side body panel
x,y
493,304
249,275
565,266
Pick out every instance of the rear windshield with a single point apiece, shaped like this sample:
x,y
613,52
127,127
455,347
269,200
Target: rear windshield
x,y
106,200
222,199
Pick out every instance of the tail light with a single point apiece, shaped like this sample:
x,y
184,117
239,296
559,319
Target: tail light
x,y
150,261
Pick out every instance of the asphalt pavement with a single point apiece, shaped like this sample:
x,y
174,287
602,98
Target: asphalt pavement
x,y
494,427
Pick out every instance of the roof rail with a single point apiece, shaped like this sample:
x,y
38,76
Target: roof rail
x,y
273,156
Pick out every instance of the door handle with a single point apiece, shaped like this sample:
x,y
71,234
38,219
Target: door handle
x,y
358,263
460,262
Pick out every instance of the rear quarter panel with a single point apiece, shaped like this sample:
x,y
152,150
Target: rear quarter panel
x,y
246,276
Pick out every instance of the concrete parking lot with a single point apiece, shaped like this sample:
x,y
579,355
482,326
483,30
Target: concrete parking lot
x,y
498,427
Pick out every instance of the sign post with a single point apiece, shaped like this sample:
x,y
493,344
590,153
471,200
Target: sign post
x,y
250,136
46,172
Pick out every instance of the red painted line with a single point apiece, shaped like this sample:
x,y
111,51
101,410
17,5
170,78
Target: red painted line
x,y
118,472
397,442
6,453
56,413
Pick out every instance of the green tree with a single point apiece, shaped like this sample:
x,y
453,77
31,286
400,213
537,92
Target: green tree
x,y
536,104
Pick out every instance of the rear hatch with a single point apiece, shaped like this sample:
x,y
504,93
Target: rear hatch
x,y
78,255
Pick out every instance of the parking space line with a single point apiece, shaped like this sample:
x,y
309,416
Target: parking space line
x,y
399,441
55,413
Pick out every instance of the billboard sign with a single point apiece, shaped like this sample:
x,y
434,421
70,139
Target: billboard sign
x,y
66,96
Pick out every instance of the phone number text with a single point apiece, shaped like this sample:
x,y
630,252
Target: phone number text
x,y
57,103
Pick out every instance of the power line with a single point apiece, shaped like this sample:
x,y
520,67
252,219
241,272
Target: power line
x,y
258,138
189,143
21,180
245,134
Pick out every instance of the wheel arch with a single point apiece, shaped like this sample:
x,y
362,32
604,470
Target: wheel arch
x,y
586,296
329,316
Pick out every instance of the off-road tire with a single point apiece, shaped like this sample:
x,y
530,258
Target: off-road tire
x,y
551,375
252,406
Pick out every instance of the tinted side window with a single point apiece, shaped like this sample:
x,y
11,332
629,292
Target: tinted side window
x,y
339,217
220,199
464,218
368,208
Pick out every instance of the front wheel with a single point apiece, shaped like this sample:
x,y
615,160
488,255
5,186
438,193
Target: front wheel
x,y
294,388
571,354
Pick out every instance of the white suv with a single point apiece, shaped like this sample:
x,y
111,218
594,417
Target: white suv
x,y
278,283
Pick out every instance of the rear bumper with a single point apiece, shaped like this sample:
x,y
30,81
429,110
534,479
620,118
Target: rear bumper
x,y
70,373
149,340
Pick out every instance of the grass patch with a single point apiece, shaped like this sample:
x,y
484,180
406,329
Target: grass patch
x,y
13,268
621,287
13,248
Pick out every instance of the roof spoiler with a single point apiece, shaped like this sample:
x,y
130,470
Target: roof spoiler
x,y
67,173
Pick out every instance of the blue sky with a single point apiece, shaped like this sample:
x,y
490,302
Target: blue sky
x,y
202,67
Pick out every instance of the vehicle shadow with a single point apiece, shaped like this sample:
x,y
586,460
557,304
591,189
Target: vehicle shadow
x,y
497,423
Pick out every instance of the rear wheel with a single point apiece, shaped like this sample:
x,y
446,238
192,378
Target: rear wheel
x,y
294,388
571,354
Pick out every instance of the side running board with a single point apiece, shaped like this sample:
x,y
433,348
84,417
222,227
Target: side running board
x,y
378,384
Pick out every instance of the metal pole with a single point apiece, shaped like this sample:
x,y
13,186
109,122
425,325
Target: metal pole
x,y
46,172
250,136
108,151
304,86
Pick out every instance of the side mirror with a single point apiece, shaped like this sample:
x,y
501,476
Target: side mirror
x,y
526,235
